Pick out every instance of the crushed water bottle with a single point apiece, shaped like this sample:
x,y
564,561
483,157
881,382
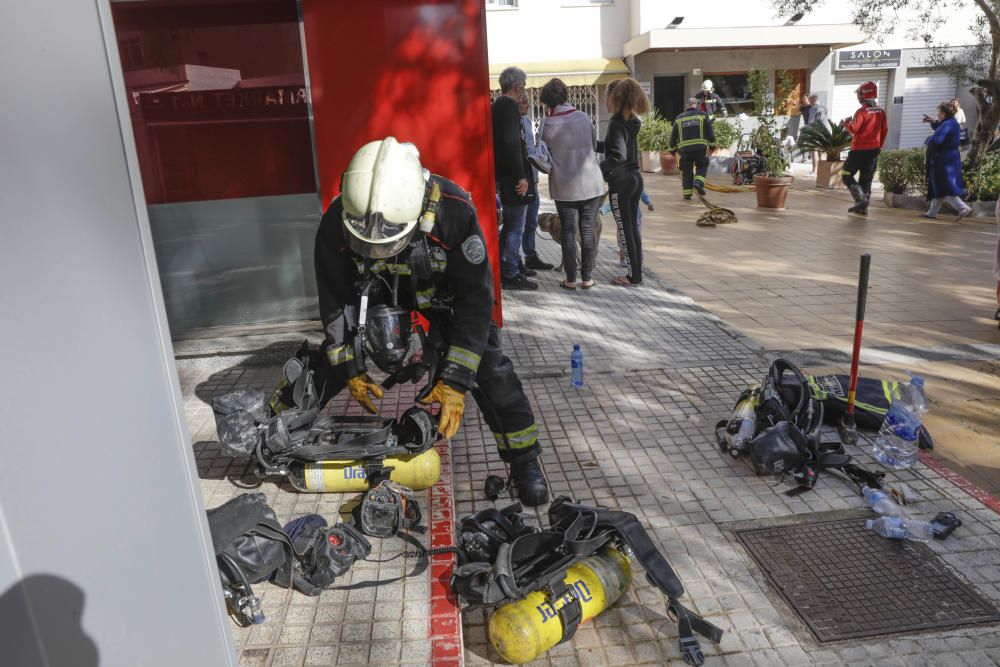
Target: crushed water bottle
x,y
576,365
897,442
898,528
882,502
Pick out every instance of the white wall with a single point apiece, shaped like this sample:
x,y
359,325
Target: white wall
x,y
105,556
542,30
545,30
656,14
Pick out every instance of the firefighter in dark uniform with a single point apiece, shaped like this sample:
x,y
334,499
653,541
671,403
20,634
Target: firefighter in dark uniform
x,y
691,135
709,102
408,239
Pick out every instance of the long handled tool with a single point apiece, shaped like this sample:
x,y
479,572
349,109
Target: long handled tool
x,y
847,428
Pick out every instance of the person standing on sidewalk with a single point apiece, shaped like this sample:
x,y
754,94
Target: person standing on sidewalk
x,y
709,102
575,183
691,135
620,169
532,262
817,115
944,165
394,219
868,128
512,170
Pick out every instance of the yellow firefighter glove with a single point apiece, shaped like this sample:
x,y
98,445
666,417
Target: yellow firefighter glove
x,y
362,385
452,408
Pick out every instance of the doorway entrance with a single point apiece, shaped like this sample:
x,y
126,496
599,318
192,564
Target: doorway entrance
x,y
668,95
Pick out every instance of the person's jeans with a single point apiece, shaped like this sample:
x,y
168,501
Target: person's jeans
x,y
953,201
510,239
582,214
530,225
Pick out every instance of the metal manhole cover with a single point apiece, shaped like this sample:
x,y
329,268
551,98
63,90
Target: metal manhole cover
x,y
846,582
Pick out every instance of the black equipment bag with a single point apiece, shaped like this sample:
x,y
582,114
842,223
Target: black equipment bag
x,y
502,558
787,441
250,547
248,427
323,553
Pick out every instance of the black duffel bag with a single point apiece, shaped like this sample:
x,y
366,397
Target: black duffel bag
x,y
250,547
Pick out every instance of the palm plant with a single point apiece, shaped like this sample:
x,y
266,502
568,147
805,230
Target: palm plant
x,y
829,140
654,134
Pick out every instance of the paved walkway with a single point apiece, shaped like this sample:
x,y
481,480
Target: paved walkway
x,y
788,280
664,362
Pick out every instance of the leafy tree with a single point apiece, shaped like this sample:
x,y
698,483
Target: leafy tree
x,y
979,65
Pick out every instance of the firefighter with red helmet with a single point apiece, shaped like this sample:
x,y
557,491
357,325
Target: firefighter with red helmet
x,y
868,128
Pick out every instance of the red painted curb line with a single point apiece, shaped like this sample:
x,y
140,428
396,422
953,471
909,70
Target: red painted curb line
x,y
972,489
445,627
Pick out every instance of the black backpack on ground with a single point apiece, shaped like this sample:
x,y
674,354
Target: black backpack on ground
x,y
250,547
786,440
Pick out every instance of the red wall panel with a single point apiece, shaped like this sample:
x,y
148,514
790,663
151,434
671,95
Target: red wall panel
x,y
413,69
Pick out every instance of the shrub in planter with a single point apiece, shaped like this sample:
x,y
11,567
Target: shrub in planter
x,y
771,186
903,172
830,141
984,183
726,134
654,137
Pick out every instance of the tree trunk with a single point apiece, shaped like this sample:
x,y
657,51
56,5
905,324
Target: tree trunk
x,y
988,103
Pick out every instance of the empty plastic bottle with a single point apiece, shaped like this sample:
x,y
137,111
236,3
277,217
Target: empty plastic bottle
x,y
882,502
898,528
897,442
576,365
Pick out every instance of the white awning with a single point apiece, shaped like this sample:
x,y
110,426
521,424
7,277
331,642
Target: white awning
x,y
704,39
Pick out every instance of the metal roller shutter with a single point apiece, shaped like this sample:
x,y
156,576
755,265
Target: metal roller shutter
x,y
845,102
925,89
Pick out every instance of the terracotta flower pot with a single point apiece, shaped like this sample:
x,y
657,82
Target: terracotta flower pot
x,y
668,163
772,190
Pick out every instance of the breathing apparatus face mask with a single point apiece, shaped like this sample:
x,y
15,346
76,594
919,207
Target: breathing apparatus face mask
x,y
387,336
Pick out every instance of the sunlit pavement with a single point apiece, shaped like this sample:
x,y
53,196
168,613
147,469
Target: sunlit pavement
x,y
788,280
663,364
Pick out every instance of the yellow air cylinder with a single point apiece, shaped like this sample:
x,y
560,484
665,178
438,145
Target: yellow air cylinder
x,y
522,631
416,472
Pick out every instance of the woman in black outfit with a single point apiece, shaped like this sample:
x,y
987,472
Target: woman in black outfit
x,y
621,170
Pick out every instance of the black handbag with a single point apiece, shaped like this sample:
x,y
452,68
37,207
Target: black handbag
x,y
250,547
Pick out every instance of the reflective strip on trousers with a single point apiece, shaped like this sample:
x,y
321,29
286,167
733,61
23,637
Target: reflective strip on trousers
x,y
518,439
339,355
462,357
424,298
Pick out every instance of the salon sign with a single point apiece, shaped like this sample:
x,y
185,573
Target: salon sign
x,y
868,58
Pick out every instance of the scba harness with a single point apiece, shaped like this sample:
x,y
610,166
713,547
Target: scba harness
x,y
247,430
502,559
778,424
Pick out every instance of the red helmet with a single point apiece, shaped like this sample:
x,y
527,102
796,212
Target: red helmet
x,y
868,90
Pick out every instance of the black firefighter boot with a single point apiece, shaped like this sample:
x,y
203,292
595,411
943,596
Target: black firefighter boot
x,y
860,201
532,489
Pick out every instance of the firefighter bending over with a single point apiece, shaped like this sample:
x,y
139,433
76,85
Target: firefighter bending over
x,y
410,241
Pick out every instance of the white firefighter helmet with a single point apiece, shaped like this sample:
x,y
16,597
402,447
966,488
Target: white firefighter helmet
x,y
707,85
382,192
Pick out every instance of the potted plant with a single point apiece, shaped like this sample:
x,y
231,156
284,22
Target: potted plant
x,y
654,142
773,184
830,141
726,135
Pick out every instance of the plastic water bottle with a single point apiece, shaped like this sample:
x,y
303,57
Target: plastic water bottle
x,y
576,365
897,442
898,528
882,502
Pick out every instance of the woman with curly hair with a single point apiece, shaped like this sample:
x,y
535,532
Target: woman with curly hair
x,y
620,168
